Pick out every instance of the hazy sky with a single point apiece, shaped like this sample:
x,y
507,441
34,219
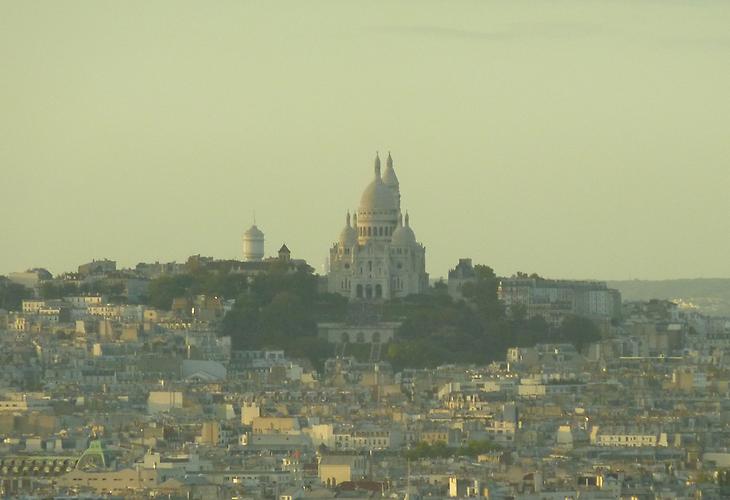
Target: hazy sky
x,y
575,138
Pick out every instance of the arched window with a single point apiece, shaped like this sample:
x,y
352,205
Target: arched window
x,y
370,266
368,292
380,230
359,291
378,291
369,231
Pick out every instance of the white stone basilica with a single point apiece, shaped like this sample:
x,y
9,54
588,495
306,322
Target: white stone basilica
x,y
377,255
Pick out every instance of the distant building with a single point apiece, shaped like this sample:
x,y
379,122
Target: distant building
x,y
336,469
253,244
363,325
121,481
627,437
103,266
84,301
556,299
463,273
374,333
156,269
283,261
162,401
377,255
31,278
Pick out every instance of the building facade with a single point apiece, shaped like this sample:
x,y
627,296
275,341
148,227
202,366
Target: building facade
x,y
377,255
556,299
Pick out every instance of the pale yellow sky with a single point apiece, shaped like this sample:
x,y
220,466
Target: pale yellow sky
x,y
575,138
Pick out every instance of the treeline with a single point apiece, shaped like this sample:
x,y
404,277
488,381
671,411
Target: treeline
x,y
437,329
280,310
277,309
12,294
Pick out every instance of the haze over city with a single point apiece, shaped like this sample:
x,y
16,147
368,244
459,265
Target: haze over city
x,y
375,249
577,139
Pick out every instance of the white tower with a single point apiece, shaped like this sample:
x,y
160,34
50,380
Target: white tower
x,y
253,244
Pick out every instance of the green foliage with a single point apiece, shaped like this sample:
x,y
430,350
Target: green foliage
x,y
56,290
528,332
199,281
280,310
164,289
112,288
440,287
484,272
12,295
723,481
475,448
578,331
436,329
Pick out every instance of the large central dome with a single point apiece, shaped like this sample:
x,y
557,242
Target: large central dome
x,y
378,196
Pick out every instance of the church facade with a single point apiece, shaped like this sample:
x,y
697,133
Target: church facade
x,y
377,255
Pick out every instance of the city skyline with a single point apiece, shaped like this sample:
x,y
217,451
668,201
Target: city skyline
x,y
383,249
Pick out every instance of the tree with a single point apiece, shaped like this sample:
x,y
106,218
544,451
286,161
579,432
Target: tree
x,y
528,332
579,331
484,272
440,287
12,295
482,293
164,289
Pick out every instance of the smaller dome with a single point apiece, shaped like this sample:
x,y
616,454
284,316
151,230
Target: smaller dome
x,y
403,236
348,237
253,232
